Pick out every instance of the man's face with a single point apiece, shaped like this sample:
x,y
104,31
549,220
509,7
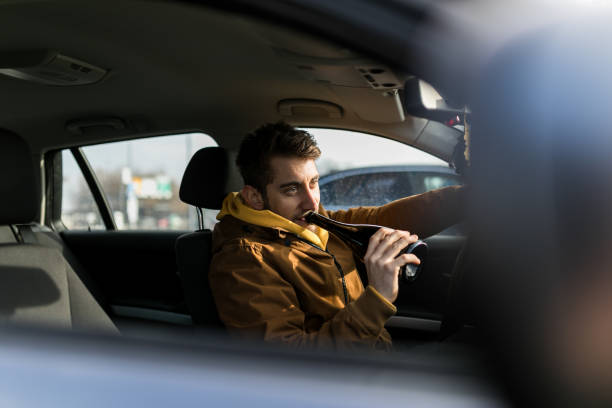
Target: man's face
x,y
294,188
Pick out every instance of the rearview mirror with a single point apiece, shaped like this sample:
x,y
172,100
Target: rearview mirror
x,y
421,99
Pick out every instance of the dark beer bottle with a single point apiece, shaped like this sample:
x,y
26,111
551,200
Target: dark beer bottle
x,y
357,237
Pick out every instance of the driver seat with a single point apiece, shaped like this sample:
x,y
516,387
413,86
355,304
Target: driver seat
x,y
209,177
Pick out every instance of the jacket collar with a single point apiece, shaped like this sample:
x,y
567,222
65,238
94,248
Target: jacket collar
x,y
234,206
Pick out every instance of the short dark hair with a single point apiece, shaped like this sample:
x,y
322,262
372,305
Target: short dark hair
x,y
270,140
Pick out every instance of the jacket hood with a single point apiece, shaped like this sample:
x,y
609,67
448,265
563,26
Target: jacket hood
x,y
234,206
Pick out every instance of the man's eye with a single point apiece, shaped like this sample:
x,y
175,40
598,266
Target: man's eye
x,y
290,190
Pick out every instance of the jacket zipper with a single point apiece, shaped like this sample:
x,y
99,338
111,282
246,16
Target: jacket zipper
x,y
337,266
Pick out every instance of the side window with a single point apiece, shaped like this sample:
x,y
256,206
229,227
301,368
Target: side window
x,y
363,188
140,179
359,169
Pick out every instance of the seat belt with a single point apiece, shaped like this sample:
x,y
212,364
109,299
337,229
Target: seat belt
x,y
24,234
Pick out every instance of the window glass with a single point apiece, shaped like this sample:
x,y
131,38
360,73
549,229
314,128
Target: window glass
x,y
141,180
342,150
359,169
79,209
364,189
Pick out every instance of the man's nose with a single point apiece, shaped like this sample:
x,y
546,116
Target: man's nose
x,y
310,201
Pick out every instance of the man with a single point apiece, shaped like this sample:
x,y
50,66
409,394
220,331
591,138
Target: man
x,y
276,278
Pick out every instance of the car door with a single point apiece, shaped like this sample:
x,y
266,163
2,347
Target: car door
x,y
117,209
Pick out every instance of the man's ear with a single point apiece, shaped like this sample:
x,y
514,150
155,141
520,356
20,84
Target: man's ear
x,y
252,197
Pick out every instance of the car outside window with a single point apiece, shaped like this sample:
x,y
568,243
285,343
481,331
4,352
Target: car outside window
x,y
140,179
359,169
377,185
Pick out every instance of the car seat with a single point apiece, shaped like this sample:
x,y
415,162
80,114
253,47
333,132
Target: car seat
x,y
210,175
37,284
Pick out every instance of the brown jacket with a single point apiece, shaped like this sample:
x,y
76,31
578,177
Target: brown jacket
x,y
270,284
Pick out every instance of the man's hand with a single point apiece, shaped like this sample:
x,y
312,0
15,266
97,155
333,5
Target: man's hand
x,y
383,263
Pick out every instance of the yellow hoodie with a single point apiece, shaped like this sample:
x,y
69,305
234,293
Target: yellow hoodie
x,y
234,206
270,286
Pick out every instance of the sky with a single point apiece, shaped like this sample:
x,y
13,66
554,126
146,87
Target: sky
x,y
352,149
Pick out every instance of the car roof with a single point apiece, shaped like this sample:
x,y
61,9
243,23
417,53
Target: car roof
x,y
172,67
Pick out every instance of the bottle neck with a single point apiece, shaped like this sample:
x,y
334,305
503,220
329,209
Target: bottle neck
x,y
325,223
355,235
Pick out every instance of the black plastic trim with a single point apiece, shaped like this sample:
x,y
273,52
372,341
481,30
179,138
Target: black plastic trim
x,y
96,189
53,190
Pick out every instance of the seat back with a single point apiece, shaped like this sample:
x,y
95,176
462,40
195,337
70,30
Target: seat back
x,y
193,250
193,255
39,287
46,237
37,284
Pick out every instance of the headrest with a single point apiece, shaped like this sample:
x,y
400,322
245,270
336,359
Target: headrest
x,y
19,197
210,176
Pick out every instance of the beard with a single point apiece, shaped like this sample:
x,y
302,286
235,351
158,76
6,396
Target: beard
x,y
295,219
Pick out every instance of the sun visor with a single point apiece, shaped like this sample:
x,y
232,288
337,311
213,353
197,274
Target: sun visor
x,y
372,105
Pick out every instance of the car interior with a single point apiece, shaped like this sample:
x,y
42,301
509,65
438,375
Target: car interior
x,y
91,73
99,242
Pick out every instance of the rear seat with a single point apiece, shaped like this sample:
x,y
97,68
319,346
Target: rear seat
x,y
45,236
6,235
37,283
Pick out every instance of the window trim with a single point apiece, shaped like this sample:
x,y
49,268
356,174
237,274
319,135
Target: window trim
x,y
95,187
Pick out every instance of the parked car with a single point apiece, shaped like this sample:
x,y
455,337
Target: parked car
x,y
382,184
379,185
100,99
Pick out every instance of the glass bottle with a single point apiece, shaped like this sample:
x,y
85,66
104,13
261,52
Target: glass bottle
x,y
357,237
